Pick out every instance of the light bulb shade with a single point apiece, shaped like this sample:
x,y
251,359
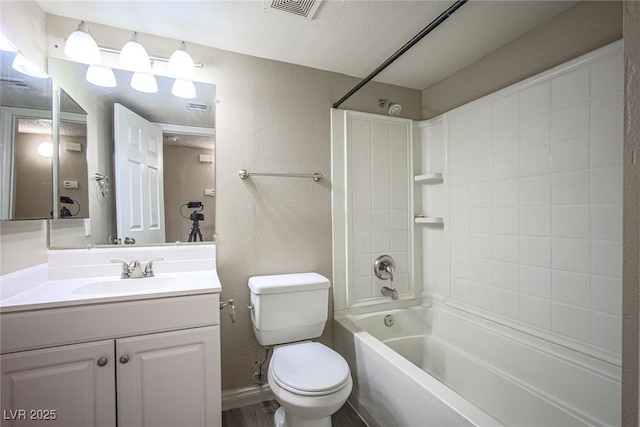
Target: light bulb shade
x,y
181,64
134,56
101,75
144,82
81,47
45,149
25,66
6,45
183,89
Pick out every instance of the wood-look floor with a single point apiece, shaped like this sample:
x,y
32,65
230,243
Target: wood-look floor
x,y
261,415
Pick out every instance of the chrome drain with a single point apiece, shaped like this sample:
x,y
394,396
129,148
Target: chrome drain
x,y
389,320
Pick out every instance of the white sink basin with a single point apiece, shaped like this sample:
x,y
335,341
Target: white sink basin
x,y
123,286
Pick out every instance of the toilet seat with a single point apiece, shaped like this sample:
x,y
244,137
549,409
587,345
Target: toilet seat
x,y
309,369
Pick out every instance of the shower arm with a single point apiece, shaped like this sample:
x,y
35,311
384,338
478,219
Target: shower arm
x,y
426,30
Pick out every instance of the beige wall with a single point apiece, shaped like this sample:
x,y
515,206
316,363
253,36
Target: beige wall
x,y
581,29
185,179
631,255
34,177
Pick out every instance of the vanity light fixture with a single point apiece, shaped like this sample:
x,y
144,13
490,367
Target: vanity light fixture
x,y
183,89
25,66
101,75
134,56
6,45
81,47
181,64
144,82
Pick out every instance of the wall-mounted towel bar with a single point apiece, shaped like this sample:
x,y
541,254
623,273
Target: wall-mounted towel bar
x,y
244,174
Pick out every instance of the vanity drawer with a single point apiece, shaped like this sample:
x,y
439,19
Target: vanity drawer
x,y
52,327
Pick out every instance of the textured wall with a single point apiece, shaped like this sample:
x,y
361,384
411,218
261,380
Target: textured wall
x,y
581,29
185,179
631,271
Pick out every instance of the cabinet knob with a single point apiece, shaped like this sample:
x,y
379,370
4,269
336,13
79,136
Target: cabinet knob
x,y
102,361
124,358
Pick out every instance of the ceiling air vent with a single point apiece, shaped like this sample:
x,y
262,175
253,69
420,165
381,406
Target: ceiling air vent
x,y
302,8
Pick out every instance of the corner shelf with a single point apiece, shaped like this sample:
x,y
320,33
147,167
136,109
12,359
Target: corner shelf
x,y
429,178
429,220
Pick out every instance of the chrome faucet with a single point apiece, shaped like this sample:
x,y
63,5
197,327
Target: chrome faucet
x,y
389,292
134,270
389,269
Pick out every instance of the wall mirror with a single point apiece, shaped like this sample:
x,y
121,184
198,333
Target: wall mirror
x,y
26,138
181,202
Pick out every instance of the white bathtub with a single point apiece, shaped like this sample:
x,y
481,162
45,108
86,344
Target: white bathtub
x,y
390,386
400,373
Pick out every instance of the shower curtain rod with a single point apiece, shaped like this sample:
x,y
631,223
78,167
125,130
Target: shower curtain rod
x,y
426,30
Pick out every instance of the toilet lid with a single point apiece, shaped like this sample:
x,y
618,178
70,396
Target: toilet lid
x,y
309,367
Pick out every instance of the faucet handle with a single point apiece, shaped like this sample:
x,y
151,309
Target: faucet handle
x,y
126,272
148,269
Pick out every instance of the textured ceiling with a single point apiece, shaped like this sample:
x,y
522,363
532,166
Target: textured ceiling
x,y
348,36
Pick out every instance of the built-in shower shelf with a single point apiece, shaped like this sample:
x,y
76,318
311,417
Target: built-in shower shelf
x,y
429,178
429,220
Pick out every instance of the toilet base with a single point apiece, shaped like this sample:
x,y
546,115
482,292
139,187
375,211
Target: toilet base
x,y
286,419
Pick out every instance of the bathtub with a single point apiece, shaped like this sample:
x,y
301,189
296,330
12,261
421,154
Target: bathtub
x,y
434,368
391,385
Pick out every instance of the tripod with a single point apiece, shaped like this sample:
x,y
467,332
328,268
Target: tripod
x,y
195,232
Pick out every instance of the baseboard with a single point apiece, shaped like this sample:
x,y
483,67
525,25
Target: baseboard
x,y
245,396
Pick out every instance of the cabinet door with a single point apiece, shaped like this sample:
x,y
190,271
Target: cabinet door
x,y
68,386
170,379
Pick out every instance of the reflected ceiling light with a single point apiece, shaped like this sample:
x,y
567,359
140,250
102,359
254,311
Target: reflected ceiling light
x,y
181,64
45,149
101,75
81,47
6,45
144,82
25,66
183,89
134,56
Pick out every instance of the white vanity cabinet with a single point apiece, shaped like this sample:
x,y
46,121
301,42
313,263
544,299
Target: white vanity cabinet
x,y
152,363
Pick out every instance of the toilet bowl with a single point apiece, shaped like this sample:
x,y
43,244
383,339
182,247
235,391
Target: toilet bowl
x,y
310,381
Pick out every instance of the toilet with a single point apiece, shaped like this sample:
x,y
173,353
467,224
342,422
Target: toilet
x,y
309,380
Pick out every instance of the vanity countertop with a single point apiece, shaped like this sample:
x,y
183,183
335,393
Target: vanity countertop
x,y
105,289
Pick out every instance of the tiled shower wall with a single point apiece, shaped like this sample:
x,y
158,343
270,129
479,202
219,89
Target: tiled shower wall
x,y
535,202
378,193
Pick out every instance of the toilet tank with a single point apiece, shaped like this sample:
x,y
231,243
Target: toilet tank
x,y
288,307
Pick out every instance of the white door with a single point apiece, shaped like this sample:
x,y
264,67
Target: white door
x,y
139,183
68,386
170,379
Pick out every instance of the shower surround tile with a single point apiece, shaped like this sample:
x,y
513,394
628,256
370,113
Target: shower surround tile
x,y
535,193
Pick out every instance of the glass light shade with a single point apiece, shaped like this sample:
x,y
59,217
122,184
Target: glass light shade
x,y
183,89
181,65
134,56
101,75
6,45
25,66
81,47
45,149
144,82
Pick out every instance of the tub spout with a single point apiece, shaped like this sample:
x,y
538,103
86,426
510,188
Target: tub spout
x,y
389,292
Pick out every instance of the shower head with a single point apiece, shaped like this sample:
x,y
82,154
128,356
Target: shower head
x,y
394,107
